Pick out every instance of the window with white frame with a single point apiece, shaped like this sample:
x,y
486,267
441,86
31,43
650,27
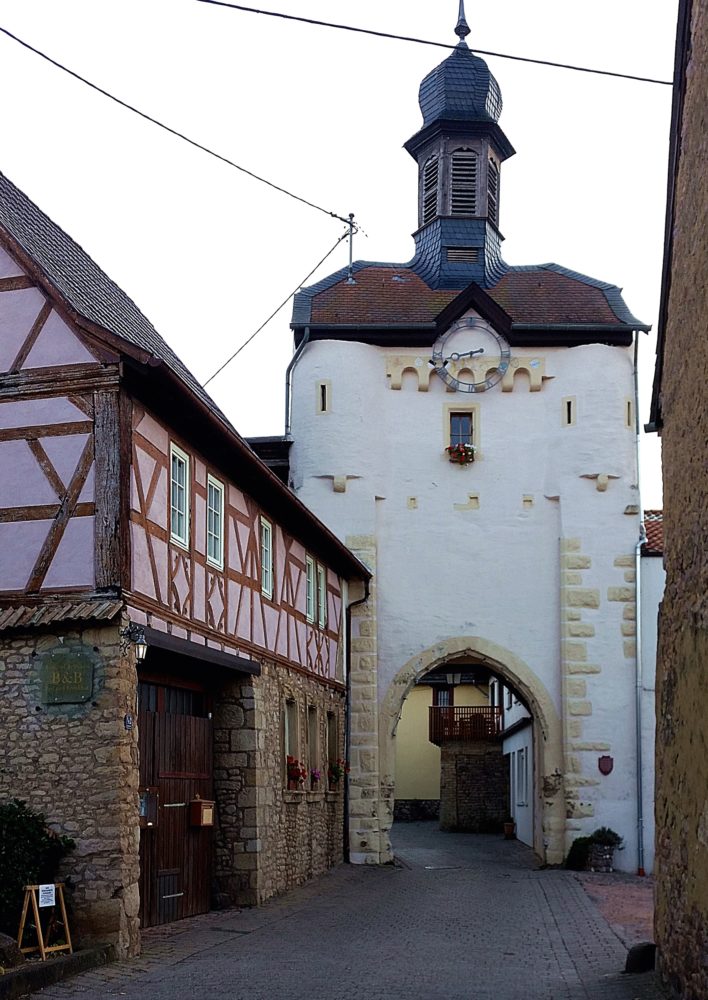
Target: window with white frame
x,y
309,589
179,496
215,522
321,596
266,558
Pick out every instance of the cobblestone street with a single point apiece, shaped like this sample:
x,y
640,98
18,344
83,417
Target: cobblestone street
x,y
461,917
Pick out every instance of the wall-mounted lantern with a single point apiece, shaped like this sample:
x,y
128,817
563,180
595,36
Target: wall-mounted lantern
x,y
135,634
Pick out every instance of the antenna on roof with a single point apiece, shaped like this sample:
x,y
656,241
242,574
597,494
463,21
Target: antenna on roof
x,y
350,273
462,29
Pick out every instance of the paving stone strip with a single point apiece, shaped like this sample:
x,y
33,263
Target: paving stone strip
x,y
462,917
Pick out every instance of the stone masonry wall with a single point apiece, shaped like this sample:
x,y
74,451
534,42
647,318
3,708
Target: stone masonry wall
x,y
474,787
298,833
371,793
77,764
681,915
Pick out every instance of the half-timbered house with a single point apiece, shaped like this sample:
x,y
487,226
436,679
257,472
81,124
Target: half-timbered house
x,y
136,522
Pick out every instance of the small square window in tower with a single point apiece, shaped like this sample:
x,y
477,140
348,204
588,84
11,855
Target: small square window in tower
x,y
460,428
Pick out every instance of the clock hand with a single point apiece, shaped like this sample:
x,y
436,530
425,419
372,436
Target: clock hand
x,y
467,354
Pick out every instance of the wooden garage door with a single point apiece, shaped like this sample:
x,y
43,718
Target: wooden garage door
x,y
175,738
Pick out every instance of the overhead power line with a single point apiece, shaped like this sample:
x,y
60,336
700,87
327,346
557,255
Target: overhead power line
x,y
426,41
275,312
172,131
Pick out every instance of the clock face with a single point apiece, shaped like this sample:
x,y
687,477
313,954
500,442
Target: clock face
x,y
470,357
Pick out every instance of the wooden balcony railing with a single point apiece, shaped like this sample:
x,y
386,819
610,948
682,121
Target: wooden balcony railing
x,y
464,724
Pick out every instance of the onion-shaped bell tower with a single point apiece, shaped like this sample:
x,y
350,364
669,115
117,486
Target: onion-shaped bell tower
x,y
459,151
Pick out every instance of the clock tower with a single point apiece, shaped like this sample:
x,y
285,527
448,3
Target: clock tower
x,y
467,427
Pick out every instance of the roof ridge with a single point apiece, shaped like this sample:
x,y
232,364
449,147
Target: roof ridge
x,y
85,286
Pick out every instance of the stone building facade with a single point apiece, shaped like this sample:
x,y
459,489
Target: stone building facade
x,y
139,521
680,412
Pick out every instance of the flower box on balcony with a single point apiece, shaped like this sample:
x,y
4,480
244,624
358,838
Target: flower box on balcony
x,y
460,454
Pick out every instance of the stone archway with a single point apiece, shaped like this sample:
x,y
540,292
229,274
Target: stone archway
x,y
549,830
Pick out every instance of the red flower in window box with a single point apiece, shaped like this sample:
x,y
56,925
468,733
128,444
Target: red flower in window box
x,y
461,454
336,771
297,772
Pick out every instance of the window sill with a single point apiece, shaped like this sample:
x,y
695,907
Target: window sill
x,y
315,796
332,796
293,797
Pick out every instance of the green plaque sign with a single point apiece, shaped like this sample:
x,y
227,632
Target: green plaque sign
x,y
67,675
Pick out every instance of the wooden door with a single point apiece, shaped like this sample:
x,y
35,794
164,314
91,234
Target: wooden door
x,y
175,740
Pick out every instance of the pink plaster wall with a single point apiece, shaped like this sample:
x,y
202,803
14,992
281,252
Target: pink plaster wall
x,y
37,412
18,311
23,483
56,345
9,268
72,565
20,544
64,453
154,432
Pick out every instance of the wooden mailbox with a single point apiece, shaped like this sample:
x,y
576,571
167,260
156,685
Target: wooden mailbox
x,y
201,812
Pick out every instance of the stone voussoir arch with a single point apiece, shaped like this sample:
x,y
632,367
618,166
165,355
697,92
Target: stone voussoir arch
x,y
549,836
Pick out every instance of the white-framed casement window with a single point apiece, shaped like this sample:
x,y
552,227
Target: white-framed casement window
x,y
321,596
215,522
309,589
179,496
266,558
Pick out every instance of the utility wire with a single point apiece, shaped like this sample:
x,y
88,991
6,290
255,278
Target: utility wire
x,y
172,131
275,312
426,41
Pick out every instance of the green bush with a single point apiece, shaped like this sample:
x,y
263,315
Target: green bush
x,y
577,859
607,837
30,853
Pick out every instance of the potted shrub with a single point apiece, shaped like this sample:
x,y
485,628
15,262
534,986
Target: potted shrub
x,y
509,828
603,844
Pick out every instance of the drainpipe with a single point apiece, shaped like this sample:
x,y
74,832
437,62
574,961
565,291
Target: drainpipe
x,y
288,380
348,709
639,677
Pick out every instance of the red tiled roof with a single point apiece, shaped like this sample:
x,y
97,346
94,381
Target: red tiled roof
x,y
654,527
380,295
543,296
399,296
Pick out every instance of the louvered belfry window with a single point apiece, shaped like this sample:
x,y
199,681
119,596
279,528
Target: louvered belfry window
x,y
463,183
493,193
430,190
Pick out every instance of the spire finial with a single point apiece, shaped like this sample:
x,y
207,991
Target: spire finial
x,y
462,28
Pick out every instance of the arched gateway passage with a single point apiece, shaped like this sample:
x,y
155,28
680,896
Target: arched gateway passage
x,y
548,791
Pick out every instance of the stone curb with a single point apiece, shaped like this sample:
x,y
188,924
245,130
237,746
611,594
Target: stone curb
x,y
36,976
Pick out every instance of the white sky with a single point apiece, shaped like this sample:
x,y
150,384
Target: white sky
x,y
207,253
